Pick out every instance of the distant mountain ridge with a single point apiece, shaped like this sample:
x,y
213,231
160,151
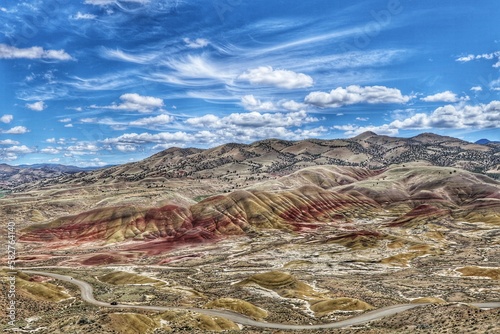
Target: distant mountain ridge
x,y
61,168
485,141
11,176
240,164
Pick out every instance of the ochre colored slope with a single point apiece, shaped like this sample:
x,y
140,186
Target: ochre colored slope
x,y
214,217
115,224
307,199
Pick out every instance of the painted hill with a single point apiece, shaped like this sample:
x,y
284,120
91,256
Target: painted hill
x,y
306,200
237,213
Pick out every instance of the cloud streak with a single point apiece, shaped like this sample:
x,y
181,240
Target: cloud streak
x,y
197,43
486,56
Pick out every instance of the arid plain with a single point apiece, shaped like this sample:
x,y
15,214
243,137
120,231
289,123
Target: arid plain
x,y
299,233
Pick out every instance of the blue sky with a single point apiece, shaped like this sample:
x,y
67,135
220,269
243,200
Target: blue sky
x,y
96,82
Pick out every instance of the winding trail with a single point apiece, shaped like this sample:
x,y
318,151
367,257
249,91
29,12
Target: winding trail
x,y
88,296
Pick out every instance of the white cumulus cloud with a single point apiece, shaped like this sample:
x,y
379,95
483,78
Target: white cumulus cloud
x,y
135,102
356,94
50,150
461,116
292,105
146,138
17,130
6,119
252,119
266,75
126,148
23,149
83,148
35,52
249,102
8,142
446,96
36,106
153,121
8,156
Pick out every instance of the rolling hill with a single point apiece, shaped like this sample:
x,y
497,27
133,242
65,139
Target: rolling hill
x,y
242,164
303,200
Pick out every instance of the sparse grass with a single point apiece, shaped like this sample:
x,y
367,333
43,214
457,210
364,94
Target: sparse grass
x,y
201,197
297,264
403,259
122,278
42,291
188,321
284,284
131,323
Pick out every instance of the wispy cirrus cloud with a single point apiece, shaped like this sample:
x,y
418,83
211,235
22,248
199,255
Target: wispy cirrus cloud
x,y
109,81
155,122
194,71
121,55
197,43
111,2
84,16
